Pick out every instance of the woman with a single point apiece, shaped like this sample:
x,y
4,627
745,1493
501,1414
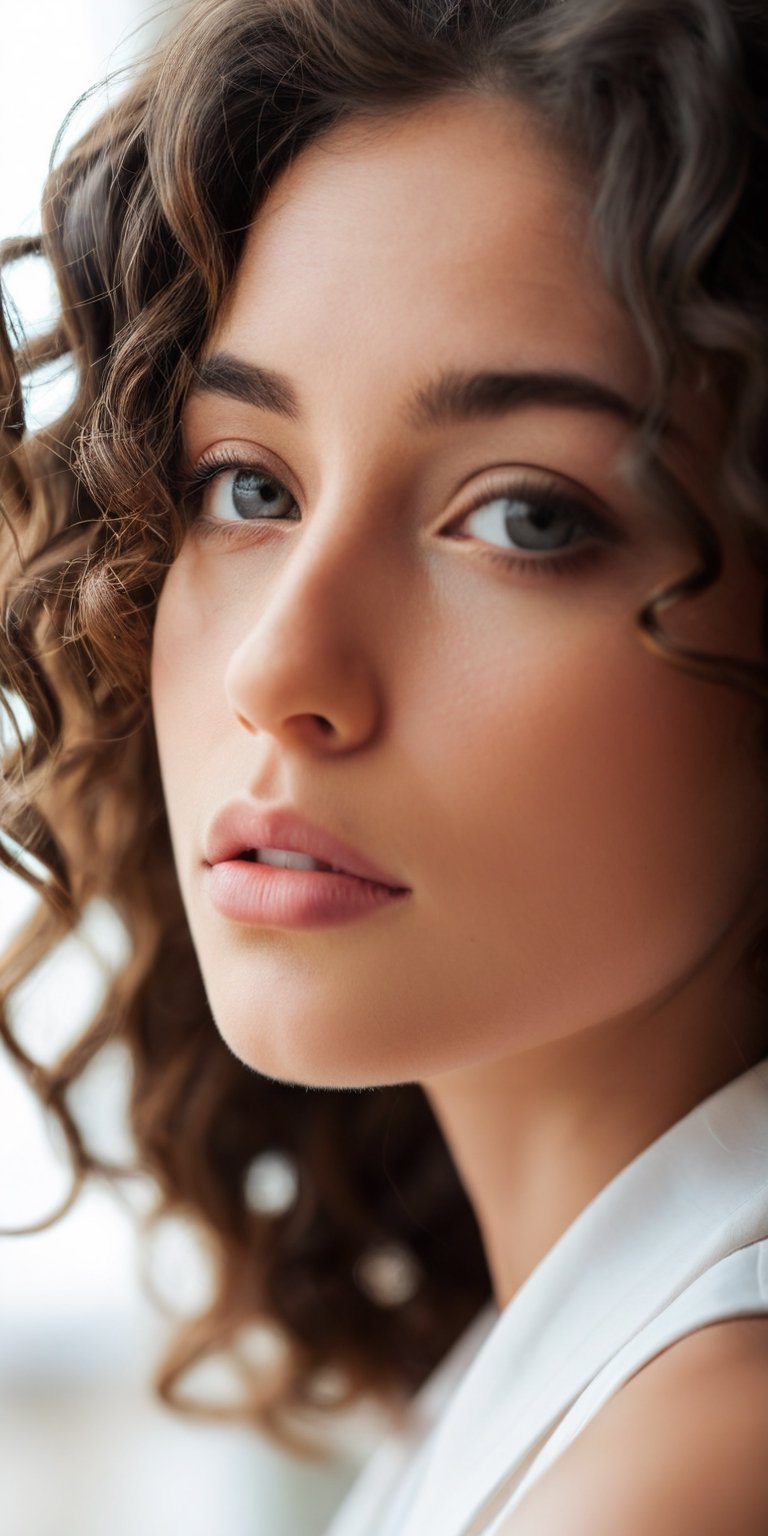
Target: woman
x,y
445,779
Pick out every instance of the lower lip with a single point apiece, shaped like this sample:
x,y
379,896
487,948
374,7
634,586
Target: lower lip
x,y
273,897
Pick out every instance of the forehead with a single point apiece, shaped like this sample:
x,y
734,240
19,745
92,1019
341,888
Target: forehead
x,y
452,227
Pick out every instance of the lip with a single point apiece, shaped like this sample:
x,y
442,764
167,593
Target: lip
x,y
264,896
241,825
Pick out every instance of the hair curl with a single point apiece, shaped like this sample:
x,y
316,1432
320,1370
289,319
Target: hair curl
x,y
662,102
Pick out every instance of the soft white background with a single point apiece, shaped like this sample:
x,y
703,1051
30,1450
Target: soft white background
x,y
84,1448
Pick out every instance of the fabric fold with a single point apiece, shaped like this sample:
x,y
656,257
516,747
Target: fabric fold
x,y
654,1238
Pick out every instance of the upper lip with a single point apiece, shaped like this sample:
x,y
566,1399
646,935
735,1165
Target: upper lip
x,y
241,826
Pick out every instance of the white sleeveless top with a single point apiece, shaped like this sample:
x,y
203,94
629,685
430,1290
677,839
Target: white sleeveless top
x,y
678,1239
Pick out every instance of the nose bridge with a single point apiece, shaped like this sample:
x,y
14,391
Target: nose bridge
x,y
308,649
318,580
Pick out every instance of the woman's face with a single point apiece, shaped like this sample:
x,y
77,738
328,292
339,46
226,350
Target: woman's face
x,y
377,629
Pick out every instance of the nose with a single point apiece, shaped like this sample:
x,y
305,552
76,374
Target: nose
x,y
305,671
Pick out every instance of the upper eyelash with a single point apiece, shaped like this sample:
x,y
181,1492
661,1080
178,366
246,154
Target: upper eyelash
x,y
194,480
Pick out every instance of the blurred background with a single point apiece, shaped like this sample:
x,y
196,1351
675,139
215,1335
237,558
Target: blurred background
x,y
85,1449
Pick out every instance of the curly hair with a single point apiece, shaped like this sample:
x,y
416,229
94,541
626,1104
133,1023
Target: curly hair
x,y
661,103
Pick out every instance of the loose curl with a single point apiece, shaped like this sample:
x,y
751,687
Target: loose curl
x,y
661,103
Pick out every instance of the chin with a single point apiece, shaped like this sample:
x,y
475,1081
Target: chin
x,y
311,1052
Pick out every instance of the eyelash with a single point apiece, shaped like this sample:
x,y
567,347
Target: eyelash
x,y
208,470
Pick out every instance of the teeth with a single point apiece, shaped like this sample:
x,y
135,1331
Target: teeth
x,y
284,859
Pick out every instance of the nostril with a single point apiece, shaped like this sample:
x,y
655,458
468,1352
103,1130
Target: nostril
x,y
321,721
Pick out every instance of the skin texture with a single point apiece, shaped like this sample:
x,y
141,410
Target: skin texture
x,y
581,825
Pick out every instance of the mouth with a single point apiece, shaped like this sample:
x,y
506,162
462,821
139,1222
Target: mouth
x,y
285,888
280,858
249,832
287,859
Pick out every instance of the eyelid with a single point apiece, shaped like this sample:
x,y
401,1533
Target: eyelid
x,y
238,454
497,478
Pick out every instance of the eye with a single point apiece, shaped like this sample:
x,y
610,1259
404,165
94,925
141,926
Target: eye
x,y
537,519
246,493
239,493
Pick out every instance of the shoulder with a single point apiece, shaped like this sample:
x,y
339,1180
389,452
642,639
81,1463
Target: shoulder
x,y
681,1450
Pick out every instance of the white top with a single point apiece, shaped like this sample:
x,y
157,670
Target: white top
x,y
678,1239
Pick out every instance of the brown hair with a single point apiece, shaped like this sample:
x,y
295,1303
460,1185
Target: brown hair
x,y
663,103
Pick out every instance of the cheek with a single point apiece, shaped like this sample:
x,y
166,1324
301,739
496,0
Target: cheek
x,y
646,775
188,707
607,817
189,642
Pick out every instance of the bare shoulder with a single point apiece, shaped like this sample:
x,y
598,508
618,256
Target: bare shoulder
x,y
681,1450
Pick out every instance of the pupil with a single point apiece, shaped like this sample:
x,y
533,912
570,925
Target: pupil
x,y
251,490
529,518
541,517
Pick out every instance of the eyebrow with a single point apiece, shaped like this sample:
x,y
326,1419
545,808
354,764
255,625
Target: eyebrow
x,y
450,398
